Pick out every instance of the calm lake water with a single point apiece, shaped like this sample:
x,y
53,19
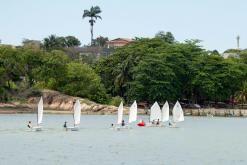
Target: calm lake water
x,y
197,141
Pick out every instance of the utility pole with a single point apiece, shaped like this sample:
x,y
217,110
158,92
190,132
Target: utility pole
x,y
238,38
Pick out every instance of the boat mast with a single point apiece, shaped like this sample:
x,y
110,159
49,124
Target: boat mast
x,y
73,112
37,114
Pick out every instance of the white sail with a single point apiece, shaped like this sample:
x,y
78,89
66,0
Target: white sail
x,y
40,111
77,112
165,112
177,112
155,112
120,113
133,112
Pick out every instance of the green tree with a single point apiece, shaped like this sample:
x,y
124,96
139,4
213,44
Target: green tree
x,y
31,44
213,77
93,14
81,80
154,80
51,72
53,42
71,41
165,36
243,56
33,60
12,64
100,41
241,95
124,72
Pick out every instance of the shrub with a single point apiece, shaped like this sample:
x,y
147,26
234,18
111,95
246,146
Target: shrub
x,y
116,100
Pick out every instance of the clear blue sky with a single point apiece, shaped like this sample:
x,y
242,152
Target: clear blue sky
x,y
216,22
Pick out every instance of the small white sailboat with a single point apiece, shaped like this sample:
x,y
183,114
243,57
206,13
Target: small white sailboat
x,y
120,113
76,116
155,113
178,114
119,117
132,116
155,116
165,112
133,113
39,115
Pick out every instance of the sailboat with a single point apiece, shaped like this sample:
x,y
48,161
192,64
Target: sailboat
x,y
133,113
39,115
132,116
155,115
178,114
119,117
155,112
165,112
76,116
120,114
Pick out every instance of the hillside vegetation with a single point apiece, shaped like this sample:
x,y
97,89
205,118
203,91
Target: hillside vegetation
x,y
147,69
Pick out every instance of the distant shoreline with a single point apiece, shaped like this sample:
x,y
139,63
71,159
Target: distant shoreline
x,y
187,112
19,111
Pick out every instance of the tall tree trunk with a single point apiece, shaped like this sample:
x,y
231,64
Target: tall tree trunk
x,y
91,34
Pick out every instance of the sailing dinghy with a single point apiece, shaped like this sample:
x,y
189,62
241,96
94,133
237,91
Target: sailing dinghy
x,y
119,117
39,115
165,113
133,112
132,116
76,116
178,114
155,116
120,113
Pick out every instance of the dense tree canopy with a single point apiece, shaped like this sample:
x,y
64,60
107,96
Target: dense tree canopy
x,y
53,42
26,68
165,36
154,70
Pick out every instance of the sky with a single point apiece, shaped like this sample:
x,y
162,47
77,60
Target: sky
x,y
216,22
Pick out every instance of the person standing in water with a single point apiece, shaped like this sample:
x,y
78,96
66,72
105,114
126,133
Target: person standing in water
x,y
29,125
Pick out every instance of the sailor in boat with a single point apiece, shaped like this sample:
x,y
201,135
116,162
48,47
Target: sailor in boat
x,y
65,125
172,124
141,123
123,123
29,125
158,122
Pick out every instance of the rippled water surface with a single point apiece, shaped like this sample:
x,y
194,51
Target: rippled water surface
x,y
197,141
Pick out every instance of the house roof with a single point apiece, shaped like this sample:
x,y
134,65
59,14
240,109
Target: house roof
x,y
126,40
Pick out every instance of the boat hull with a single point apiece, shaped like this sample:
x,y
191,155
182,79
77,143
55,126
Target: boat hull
x,y
154,125
118,128
37,128
72,129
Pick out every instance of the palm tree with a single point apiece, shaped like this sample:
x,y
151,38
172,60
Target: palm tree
x,y
93,14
